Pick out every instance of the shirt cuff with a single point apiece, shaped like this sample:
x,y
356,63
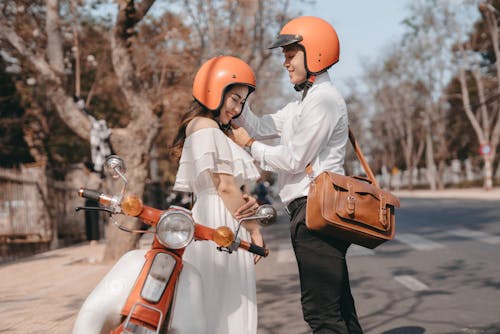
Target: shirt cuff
x,y
258,151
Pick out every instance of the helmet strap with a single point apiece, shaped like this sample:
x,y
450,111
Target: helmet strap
x,y
307,84
224,127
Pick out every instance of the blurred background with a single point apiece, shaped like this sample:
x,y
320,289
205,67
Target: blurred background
x,y
80,80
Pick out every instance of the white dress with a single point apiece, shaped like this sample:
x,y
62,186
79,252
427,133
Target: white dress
x,y
228,279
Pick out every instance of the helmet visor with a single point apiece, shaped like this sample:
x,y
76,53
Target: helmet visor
x,y
285,39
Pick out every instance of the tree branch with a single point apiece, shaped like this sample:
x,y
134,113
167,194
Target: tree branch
x,y
122,59
64,104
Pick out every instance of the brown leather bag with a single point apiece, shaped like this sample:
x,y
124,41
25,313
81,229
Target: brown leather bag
x,y
351,208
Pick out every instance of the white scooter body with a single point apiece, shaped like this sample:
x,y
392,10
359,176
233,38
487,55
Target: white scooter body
x,y
101,311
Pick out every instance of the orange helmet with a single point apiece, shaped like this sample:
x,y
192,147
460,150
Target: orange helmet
x,y
316,36
215,75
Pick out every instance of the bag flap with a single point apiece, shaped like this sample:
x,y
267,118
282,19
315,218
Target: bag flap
x,y
364,187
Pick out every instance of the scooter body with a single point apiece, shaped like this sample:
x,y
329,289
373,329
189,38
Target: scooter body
x,y
101,310
154,290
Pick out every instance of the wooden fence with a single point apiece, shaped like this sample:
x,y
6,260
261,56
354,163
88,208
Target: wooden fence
x,y
36,213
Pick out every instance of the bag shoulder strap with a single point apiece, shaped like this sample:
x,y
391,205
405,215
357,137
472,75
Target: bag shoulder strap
x,y
361,158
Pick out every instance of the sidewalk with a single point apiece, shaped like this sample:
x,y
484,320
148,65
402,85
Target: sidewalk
x,y
465,193
43,293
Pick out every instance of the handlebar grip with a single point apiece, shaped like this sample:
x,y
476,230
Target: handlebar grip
x,y
253,248
258,250
89,193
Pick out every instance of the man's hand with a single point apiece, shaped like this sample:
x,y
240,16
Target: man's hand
x,y
248,209
241,136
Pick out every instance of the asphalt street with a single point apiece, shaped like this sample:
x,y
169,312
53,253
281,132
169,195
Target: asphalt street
x,y
439,276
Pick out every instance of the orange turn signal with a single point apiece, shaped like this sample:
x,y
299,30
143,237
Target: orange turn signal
x,y
132,205
223,236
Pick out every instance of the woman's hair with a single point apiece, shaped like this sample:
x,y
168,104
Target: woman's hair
x,y
195,110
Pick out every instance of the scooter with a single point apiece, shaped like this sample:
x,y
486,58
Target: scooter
x,y
153,290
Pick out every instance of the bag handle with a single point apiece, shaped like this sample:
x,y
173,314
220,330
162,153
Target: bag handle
x,y
361,159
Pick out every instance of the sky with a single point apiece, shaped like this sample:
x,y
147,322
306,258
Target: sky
x,y
365,28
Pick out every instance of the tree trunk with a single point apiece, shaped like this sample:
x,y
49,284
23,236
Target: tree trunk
x,y
54,38
125,142
488,172
441,169
134,142
429,158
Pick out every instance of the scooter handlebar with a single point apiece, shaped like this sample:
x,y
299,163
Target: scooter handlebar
x,y
90,194
104,199
95,195
253,248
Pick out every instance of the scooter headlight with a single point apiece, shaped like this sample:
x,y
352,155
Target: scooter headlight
x,y
175,229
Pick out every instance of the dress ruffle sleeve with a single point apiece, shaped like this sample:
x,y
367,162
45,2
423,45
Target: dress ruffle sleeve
x,y
210,151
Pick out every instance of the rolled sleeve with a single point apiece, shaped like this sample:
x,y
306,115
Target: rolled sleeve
x,y
258,150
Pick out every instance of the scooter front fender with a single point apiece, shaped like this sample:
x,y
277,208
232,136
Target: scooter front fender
x,y
100,312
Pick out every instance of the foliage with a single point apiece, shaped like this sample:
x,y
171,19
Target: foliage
x,y
415,97
167,48
13,148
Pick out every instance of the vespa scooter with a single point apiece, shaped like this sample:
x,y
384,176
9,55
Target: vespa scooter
x,y
153,290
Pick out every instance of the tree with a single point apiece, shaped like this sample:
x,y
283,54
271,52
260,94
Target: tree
x,y
153,61
398,105
483,72
429,43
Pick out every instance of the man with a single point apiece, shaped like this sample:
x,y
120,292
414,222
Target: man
x,y
312,130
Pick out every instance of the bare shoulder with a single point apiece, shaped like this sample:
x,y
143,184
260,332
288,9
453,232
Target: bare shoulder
x,y
199,123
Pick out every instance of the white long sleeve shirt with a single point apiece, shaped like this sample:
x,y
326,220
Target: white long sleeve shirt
x,y
314,130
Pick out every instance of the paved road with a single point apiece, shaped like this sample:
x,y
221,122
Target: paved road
x,y
440,276
42,293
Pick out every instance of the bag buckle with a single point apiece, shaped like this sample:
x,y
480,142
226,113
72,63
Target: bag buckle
x,y
351,200
383,210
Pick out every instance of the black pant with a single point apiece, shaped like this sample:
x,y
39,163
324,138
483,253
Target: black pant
x,y
327,302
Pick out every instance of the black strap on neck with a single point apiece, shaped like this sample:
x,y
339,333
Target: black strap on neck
x,y
223,127
304,87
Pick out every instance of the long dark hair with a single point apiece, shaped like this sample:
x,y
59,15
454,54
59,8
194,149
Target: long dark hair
x,y
195,110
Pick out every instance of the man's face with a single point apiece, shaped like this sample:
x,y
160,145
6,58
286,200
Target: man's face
x,y
294,63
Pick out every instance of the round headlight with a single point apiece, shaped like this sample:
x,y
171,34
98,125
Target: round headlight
x,y
175,229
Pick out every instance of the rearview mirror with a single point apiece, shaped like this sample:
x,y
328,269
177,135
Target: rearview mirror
x,y
115,165
268,214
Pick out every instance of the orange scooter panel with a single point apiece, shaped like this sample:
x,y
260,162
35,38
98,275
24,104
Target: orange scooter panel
x,y
146,315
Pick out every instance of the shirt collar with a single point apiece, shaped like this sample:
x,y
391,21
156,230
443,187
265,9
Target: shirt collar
x,y
320,78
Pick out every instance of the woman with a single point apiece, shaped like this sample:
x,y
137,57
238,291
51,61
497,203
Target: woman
x,y
214,168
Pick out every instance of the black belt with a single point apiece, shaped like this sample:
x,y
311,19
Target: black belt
x,y
294,205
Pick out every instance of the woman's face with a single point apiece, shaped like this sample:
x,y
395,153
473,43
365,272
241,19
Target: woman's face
x,y
294,64
234,99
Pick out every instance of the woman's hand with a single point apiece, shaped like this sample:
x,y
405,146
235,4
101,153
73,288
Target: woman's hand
x,y
253,227
241,136
248,209
259,241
